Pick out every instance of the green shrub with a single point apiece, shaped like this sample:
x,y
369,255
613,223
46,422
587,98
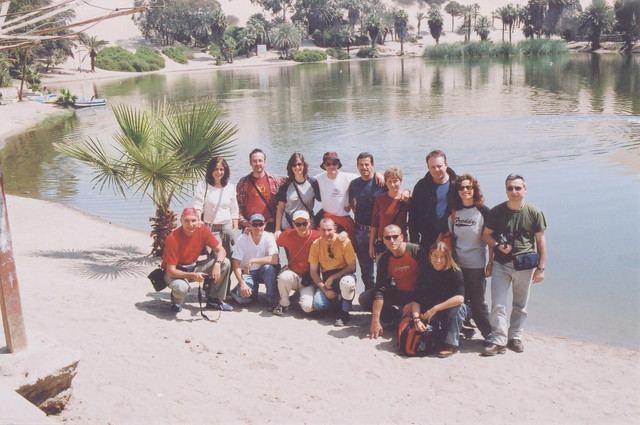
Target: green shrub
x,y
478,49
337,53
66,99
367,52
180,54
505,49
444,51
120,59
308,55
216,52
541,46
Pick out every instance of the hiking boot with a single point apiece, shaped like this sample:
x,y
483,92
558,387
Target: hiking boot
x,y
344,318
492,349
279,310
515,345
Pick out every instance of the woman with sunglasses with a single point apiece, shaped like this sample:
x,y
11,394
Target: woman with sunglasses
x,y
466,225
388,208
298,193
215,200
441,301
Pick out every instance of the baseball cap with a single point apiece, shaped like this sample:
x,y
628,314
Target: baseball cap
x,y
256,217
190,211
300,214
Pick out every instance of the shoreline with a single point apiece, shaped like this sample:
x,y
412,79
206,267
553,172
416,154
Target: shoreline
x,y
127,340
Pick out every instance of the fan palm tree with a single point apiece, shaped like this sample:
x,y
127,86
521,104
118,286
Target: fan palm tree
x,y
435,23
482,27
93,45
597,17
158,153
286,36
400,21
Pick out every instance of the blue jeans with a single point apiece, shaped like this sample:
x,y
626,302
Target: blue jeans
x,y
448,322
361,246
321,302
503,277
266,274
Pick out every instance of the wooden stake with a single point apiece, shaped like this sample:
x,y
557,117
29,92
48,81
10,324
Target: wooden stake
x,y
12,320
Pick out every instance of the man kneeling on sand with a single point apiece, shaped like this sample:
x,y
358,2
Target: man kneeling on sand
x,y
181,251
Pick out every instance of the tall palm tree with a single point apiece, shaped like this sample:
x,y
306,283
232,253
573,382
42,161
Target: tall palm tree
x,y
286,36
419,17
482,27
158,153
435,22
93,45
597,17
400,21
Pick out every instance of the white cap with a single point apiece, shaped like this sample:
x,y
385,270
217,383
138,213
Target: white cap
x,y
348,287
300,214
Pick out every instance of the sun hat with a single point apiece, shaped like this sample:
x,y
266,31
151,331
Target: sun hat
x,y
330,156
300,214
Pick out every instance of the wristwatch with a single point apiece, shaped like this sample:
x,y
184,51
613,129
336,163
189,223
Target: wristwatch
x,y
540,268
219,262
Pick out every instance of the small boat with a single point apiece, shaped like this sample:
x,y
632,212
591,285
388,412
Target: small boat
x,y
86,103
45,98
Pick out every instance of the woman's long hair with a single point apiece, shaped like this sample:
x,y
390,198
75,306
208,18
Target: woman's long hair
x,y
444,248
292,161
478,197
212,166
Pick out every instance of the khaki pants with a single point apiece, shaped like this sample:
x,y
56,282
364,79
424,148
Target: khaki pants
x,y
289,281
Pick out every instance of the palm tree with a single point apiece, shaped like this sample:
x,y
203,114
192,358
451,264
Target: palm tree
x,y
373,25
419,16
286,36
435,22
347,36
597,17
158,153
400,21
482,27
454,9
93,45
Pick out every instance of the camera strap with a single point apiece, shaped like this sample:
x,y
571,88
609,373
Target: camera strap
x,y
202,310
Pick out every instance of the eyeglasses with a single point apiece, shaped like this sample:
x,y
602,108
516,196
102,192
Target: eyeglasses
x,y
330,252
298,164
516,188
301,223
257,223
465,188
389,237
331,163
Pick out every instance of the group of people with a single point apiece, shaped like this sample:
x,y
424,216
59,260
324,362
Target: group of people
x,y
424,254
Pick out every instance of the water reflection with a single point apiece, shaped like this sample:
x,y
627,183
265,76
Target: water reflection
x,y
570,124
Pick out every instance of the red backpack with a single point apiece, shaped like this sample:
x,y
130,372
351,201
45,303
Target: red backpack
x,y
411,342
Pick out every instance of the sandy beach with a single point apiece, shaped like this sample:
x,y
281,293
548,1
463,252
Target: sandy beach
x,y
84,289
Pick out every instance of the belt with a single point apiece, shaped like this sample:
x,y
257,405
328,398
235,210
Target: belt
x,y
362,227
215,227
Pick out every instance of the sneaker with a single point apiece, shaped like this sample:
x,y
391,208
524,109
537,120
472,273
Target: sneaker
x,y
279,310
219,305
176,308
515,345
493,349
344,318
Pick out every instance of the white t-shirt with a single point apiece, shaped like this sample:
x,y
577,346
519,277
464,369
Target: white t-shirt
x,y
246,249
335,193
228,209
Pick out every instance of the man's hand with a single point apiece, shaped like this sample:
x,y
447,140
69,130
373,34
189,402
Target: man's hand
x,y
538,276
488,270
505,248
329,293
245,291
376,329
215,272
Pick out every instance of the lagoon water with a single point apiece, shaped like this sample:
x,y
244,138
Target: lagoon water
x,y
570,125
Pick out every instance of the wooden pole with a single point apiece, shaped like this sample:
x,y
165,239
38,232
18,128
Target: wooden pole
x,y
12,320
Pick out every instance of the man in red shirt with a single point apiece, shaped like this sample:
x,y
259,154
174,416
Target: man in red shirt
x,y
400,268
295,277
181,251
257,192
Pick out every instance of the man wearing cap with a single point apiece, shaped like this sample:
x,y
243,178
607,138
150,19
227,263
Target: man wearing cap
x,y
257,192
362,194
179,261
255,260
332,264
334,192
295,276
400,268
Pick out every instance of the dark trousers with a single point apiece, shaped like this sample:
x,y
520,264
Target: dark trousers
x,y
394,302
475,284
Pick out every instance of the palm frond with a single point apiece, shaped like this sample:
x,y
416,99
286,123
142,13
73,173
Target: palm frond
x,y
108,170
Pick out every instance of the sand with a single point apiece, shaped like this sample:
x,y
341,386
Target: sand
x,y
83,288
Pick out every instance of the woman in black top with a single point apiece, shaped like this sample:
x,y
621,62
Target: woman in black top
x,y
441,300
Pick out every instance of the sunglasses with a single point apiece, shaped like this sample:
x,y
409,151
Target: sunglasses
x,y
331,163
516,188
465,188
298,164
257,223
301,223
330,252
389,237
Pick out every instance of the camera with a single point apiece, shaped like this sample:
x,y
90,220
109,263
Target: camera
x,y
505,239
207,284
